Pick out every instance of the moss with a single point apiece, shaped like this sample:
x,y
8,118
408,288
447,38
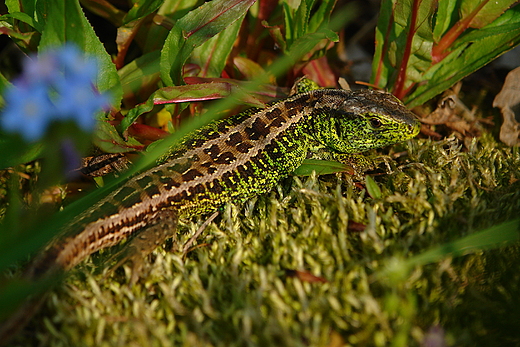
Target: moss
x,y
233,288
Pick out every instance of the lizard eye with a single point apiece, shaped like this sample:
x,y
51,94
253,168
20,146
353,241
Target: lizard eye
x,y
376,123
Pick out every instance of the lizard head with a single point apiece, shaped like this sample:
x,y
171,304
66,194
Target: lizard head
x,y
364,119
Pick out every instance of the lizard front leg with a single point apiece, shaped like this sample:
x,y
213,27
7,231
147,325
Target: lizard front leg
x,y
162,227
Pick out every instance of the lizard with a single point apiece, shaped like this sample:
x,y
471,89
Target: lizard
x,y
229,160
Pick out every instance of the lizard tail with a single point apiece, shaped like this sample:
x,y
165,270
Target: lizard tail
x,y
20,318
40,275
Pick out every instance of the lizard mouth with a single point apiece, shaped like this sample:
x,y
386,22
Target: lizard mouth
x,y
415,127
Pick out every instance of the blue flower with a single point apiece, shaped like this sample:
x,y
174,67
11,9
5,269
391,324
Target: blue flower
x,y
75,66
55,86
27,112
79,103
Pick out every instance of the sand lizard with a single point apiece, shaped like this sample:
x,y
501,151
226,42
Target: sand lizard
x,y
230,160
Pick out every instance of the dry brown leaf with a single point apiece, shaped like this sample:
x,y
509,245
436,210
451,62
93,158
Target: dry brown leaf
x,y
305,276
452,113
508,100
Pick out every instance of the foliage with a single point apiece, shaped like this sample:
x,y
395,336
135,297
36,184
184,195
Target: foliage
x,y
423,47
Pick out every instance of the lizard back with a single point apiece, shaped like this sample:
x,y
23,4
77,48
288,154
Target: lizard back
x,y
229,161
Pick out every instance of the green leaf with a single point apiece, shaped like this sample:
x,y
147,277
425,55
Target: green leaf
x,y
320,18
140,73
212,55
108,140
496,236
372,188
301,19
410,52
295,21
177,8
423,21
321,167
4,84
193,30
382,63
487,14
67,23
506,24
142,8
299,49
444,18
35,9
12,5
217,89
248,68
403,59
15,151
473,52
25,18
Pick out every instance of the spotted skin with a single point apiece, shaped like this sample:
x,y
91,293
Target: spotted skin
x,y
233,160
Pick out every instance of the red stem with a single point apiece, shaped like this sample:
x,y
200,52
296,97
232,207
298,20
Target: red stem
x,y
399,91
384,49
440,50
